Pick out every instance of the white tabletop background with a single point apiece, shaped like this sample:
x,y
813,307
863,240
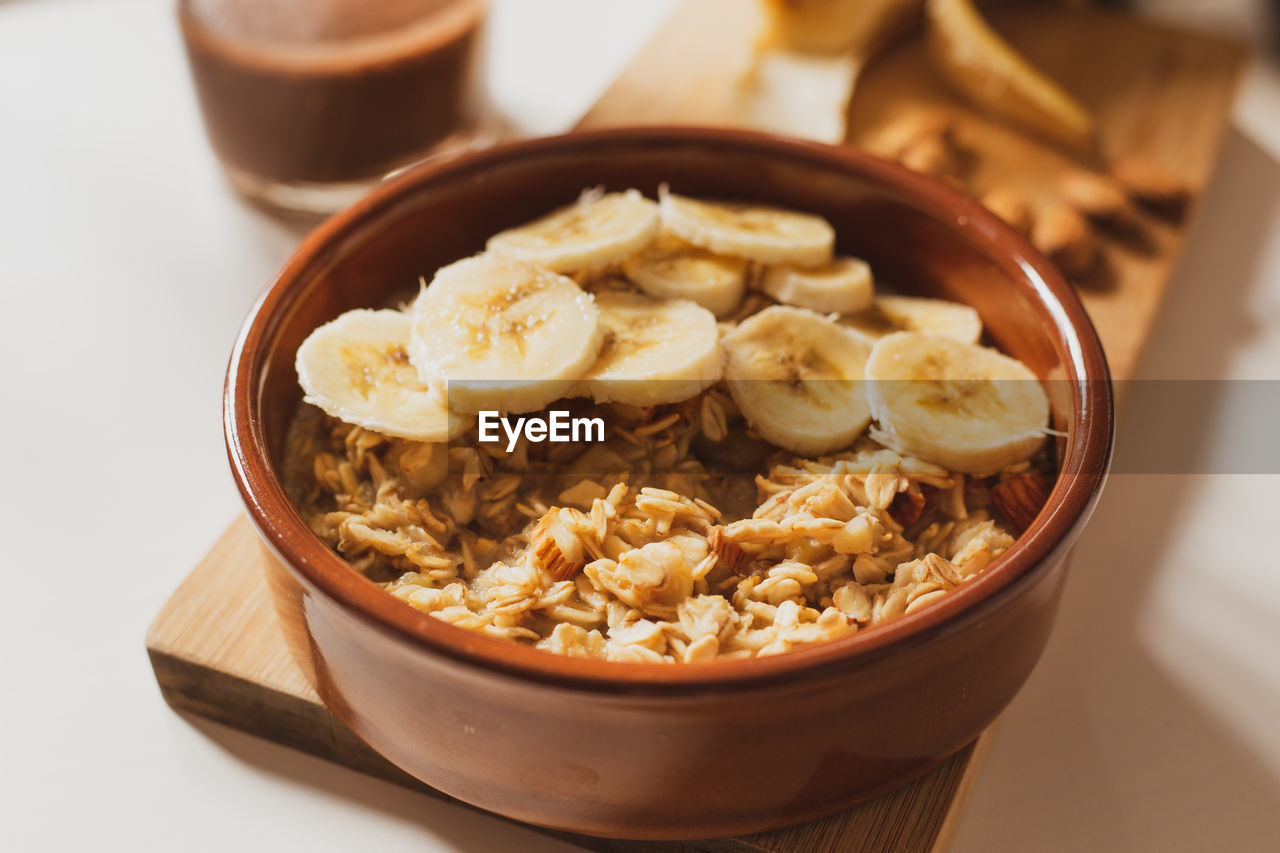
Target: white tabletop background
x,y
126,267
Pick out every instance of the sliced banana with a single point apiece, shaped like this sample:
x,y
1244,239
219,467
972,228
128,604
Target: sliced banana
x,y
937,317
598,229
842,286
356,368
755,232
964,407
505,335
797,378
655,351
670,268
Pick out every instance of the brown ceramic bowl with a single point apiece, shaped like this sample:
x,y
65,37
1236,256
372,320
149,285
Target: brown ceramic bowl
x,y
651,750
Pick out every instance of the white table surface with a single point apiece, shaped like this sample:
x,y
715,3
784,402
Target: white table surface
x,y
126,267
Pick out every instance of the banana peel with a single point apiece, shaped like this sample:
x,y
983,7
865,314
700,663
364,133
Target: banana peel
x,y
806,63
979,64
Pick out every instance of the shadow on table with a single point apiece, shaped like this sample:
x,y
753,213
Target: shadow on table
x,y
454,826
1103,750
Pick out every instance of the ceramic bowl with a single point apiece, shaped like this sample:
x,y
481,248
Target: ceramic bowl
x,y
651,750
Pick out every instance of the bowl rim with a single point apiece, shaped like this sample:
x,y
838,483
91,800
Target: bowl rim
x,y
1081,475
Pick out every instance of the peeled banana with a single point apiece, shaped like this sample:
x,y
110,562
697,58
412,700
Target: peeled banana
x,y
835,26
801,75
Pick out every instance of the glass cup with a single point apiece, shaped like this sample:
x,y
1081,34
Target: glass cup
x,y
308,103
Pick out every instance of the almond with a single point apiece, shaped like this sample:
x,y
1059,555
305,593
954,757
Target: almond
x,y
1009,204
907,507
909,128
728,553
1063,234
1099,197
1020,497
1151,184
931,155
550,540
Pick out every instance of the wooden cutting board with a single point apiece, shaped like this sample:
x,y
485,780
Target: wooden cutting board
x,y
1159,92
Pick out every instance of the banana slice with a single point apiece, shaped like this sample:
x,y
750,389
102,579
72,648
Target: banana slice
x,y
938,317
842,286
797,377
598,229
964,407
670,268
356,368
655,351
755,232
505,335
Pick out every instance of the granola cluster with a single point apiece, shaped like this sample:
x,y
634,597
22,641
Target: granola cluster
x,y
650,547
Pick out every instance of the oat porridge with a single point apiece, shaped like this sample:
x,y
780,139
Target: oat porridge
x,y
781,455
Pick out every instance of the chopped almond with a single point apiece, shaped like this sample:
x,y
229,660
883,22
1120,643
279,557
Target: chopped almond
x,y
1152,184
1020,497
546,540
907,507
1064,235
1099,197
728,553
1009,204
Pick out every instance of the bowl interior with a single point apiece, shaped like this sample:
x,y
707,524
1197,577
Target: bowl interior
x,y
919,236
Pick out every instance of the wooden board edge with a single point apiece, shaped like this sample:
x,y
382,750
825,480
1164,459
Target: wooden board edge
x,y
298,723
274,715
960,797
157,632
